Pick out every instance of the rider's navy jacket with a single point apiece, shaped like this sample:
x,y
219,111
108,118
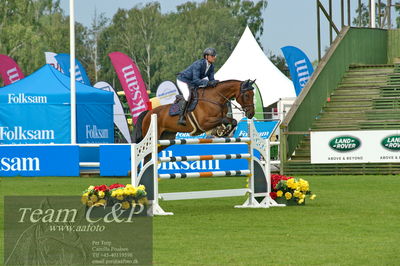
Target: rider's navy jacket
x,y
194,74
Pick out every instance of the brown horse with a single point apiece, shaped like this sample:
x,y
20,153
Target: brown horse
x,y
210,112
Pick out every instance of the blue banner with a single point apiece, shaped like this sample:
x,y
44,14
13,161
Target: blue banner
x,y
300,67
95,123
39,160
203,166
186,135
264,128
115,160
80,73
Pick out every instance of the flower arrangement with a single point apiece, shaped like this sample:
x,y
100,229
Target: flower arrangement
x,y
290,189
126,195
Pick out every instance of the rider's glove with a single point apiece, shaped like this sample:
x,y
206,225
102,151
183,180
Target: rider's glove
x,y
212,83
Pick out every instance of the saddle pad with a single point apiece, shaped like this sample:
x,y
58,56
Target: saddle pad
x,y
176,110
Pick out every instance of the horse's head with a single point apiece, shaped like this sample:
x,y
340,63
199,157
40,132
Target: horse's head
x,y
246,97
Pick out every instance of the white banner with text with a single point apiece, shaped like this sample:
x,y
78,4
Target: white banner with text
x,y
362,146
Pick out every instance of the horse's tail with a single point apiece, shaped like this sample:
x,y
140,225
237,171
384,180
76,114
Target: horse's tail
x,y
137,132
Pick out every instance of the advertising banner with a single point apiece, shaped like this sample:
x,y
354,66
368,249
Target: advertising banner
x,y
39,160
300,67
264,128
167,92
203,166
80,72
9,70
119,115
364,146
115,159
131,82
51,60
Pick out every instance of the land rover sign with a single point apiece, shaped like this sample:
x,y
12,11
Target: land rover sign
x,y
344,143
391,143
355,146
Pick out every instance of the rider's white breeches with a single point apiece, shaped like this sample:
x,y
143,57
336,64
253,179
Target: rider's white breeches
x,y
184,88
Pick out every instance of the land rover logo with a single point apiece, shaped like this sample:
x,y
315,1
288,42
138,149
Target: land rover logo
x,y
391,142
344,143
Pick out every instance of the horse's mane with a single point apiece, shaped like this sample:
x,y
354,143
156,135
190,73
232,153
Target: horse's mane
x,y
229,80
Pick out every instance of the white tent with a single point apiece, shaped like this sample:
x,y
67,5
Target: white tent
x,y
248,61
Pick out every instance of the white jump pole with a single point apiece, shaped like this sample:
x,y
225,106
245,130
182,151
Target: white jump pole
x,y
72,69
373,15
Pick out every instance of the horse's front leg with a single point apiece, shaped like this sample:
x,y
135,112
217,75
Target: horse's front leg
x,y
223,127
227,126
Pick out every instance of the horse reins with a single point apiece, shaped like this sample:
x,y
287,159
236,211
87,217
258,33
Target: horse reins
x,y
227,100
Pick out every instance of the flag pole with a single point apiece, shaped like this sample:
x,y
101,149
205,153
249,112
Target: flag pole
x,y
72,70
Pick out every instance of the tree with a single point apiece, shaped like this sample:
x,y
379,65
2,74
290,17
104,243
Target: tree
x,y
99,23
364,20
164,44
28,28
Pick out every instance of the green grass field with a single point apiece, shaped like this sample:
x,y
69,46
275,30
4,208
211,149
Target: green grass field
x,y
354,221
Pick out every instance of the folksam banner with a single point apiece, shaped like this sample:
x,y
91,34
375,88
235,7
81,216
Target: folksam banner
x,y
119,115
115,159
9,70
80,73
264,128
131,82
25,160
300,67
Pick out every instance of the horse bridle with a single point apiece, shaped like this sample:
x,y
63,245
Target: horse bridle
x,y
243,89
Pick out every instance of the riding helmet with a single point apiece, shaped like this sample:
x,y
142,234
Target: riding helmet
x,y
210,51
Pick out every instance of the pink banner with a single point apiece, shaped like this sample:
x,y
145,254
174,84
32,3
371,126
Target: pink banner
x,y
9,70
132,83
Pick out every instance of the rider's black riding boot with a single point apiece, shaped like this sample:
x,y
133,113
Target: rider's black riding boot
x,y
182,118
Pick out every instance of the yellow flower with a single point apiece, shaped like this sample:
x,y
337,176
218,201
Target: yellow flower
x,y
143,201
85,194
288,195
291,183
279,193
84,199
90,188
89,203
313,196
129,186
101,202
120,197
304,186
101,194
297,193
141,187
301,201
93,198
302,196
125,205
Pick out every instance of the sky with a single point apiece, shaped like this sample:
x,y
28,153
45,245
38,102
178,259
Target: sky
x,y
286,22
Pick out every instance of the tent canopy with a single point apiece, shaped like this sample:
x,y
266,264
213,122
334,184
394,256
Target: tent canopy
x,y
36,109
248,61
49,82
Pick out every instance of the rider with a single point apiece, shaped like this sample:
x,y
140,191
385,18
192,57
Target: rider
x,y
198,74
